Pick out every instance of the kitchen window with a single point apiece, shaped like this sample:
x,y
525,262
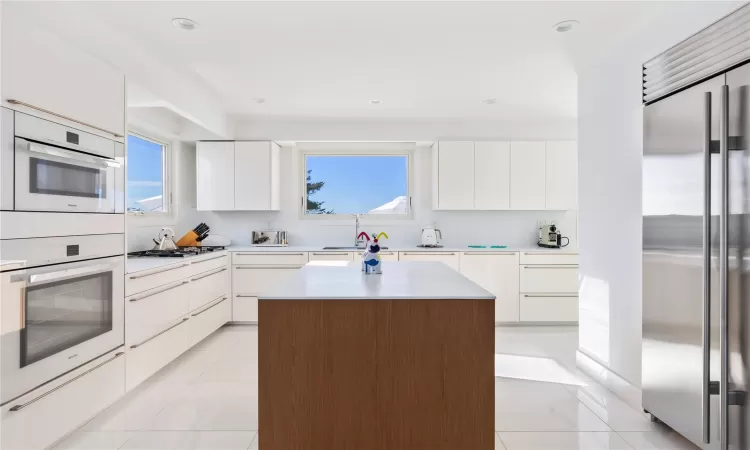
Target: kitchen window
x,y
340,184
148,181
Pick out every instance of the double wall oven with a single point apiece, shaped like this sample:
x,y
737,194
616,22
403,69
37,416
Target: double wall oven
x,y
61,278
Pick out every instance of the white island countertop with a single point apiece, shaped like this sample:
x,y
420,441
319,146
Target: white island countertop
x,y
400,280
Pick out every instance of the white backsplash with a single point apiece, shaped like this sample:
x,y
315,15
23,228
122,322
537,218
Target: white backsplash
x,y
459,228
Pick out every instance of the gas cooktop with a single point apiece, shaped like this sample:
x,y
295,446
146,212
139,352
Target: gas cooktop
x,y
178,253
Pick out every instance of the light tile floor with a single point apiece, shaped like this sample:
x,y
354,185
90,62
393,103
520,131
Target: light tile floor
x,y
207,400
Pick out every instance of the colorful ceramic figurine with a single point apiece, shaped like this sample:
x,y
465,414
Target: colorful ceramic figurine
x,y
370,259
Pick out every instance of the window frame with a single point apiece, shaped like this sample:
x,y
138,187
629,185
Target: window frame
x,y
353,151
166,178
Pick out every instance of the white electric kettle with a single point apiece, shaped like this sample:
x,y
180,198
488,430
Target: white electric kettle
x,y
430,236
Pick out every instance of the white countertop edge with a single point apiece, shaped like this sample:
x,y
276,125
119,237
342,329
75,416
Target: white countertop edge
x,y
136,264
308,249
271,298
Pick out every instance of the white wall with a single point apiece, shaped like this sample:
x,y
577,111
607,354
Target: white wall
x,y
610,138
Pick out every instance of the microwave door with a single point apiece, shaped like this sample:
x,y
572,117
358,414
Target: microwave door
x,y
49,178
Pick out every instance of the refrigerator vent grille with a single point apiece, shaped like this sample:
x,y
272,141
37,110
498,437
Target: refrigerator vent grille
x,y
714,49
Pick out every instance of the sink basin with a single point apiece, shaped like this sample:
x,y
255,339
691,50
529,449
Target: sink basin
x,y
350,248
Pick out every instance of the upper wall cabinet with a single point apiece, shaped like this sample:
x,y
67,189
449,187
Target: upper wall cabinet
x,y
455,175
491,176
527,175
41,70
562,175
238,176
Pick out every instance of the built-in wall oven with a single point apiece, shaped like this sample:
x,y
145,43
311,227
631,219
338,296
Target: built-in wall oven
x,y
62,305
47,166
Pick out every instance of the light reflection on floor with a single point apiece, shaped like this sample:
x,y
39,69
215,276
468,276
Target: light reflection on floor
x,y
534,368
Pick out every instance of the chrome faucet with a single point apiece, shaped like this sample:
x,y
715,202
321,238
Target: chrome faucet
x,y
359,243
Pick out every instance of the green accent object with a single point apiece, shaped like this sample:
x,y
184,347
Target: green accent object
x,y
477,246
499,246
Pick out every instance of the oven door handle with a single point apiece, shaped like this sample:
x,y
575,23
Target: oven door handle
x,y
98,161
46,276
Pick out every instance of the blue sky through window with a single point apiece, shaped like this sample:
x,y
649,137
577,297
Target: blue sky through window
x,y
145,174
359,184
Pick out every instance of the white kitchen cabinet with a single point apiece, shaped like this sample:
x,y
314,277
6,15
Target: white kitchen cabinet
x,y
207,286
331,256
556,308
549,279
208,319
150,279
385,255
147,356
527,175
249,281
549,257
496,272
149,312
455,175
451,259
256,176
55,409
562,175
42,70
491,175
266,259
215,176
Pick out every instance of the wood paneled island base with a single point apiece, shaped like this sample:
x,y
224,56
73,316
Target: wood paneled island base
x,y
376,374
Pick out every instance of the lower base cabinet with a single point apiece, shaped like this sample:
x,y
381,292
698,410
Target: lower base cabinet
x,y
43,416
244,308
209,318
248,282
148,356
549,308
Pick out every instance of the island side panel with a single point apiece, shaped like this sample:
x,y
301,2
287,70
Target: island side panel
x,y
374,374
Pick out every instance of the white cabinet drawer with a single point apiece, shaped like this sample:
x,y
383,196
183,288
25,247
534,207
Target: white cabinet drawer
x,y
210,263
560,279
45,415
549,308
207,286
451,259
151,311
257,280
498,273
385,255
331,256
270,258
146,357
244,308
549,258
209,319
149,279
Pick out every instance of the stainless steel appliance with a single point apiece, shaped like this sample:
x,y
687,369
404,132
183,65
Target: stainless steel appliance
x,y
166,240
51,167
696,236
270,238
62,305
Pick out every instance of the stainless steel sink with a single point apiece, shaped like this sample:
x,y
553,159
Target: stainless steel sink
x,y
350,248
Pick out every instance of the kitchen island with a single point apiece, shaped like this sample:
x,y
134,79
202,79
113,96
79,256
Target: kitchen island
x,y
397,361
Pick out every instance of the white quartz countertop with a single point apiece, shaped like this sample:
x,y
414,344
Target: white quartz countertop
x,y
400,280
140,263
397,248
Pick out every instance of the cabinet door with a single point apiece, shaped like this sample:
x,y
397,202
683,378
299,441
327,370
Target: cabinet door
x,y
455,175
331,256
449,258
527,175
498,273
385,255
562,175
215,176
491,175
252,175
41,69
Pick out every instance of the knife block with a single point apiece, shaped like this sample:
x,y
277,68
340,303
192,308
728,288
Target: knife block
x,y
189,240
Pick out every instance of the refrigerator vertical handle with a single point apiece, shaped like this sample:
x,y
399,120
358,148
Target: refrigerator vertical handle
x,y
724,271
706,400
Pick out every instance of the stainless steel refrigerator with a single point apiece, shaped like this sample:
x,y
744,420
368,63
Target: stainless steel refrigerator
x,y
696,252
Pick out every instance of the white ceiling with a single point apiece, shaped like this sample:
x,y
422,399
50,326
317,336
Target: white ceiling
x,y
425,60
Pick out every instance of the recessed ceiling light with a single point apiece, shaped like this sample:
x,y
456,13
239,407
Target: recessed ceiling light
x,y
490,101
375,102
566,25
184,23
259,100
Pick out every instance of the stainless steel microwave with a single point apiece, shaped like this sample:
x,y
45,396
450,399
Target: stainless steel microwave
x,y
50,167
